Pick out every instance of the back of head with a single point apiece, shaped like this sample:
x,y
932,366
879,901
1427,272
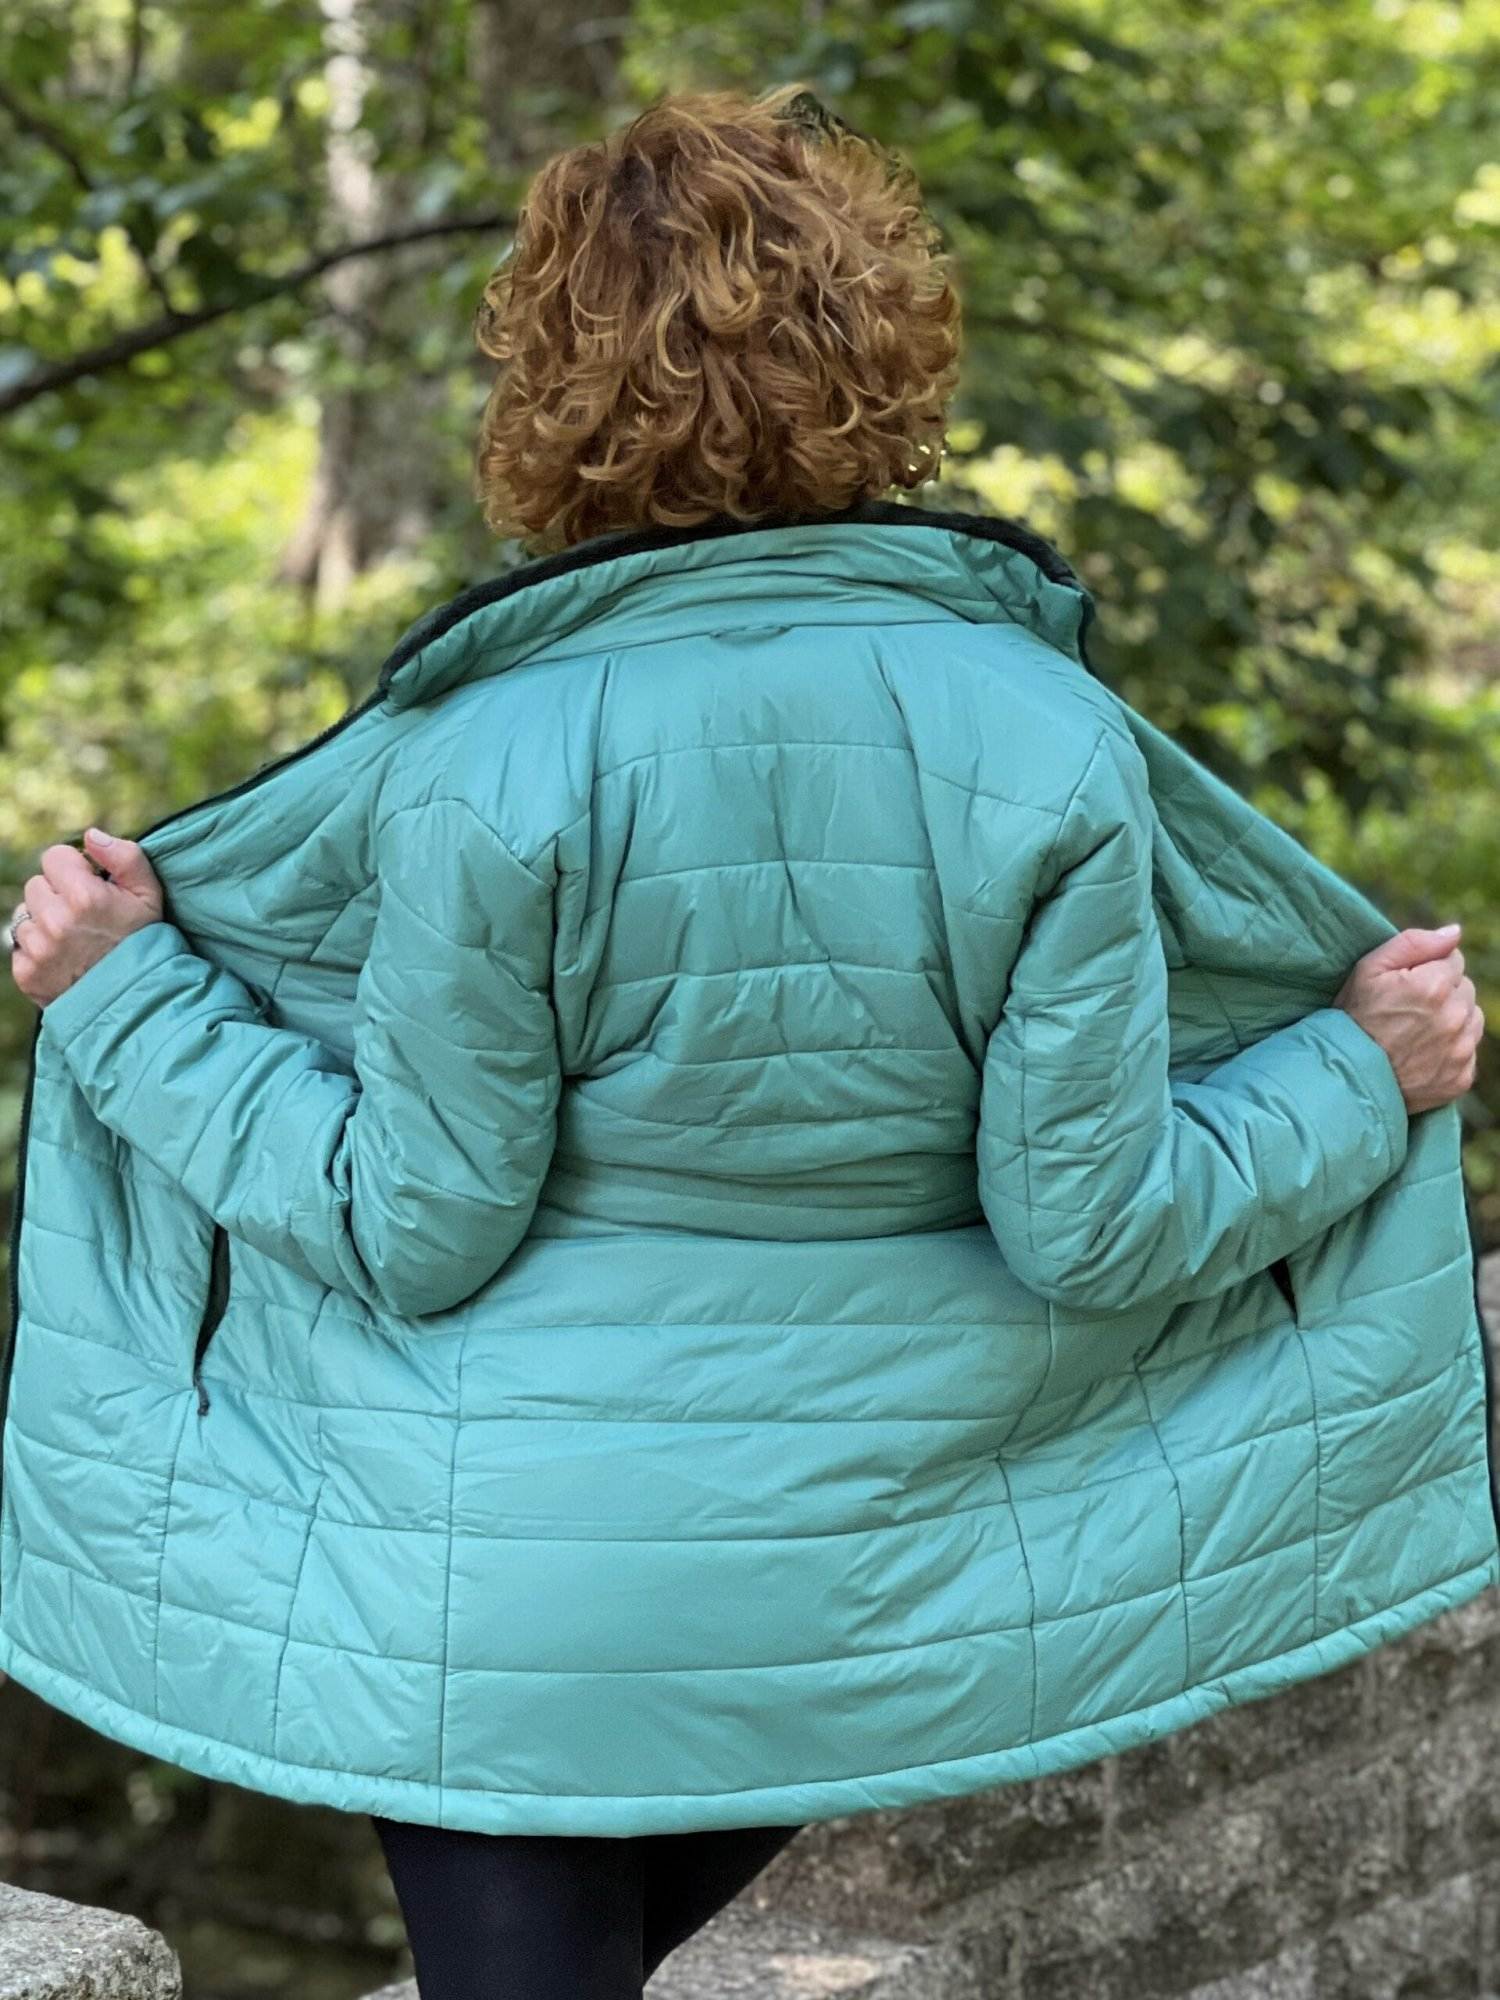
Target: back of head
x,y
731,306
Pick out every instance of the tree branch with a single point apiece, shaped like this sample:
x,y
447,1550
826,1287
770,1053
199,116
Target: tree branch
x,y
124,347
135,50
25,119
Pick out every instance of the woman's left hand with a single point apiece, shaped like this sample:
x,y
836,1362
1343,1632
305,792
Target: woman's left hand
x,y
76,914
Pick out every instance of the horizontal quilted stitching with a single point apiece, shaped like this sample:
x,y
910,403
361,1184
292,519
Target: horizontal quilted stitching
x,y
749,1160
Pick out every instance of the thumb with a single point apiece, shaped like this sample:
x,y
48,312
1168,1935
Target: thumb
x,y
1414,947
126,861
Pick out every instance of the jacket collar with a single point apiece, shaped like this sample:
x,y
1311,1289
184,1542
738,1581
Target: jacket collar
x,y
978,566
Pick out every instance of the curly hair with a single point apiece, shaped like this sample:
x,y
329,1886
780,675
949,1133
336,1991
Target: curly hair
x,y
731,306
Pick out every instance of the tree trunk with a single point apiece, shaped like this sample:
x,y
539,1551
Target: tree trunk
x,y
380,480
378,483
524,59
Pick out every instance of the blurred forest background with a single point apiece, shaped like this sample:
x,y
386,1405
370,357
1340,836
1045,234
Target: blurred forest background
x,y
1233,311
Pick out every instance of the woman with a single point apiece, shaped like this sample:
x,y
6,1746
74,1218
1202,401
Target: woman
x,y
750,1152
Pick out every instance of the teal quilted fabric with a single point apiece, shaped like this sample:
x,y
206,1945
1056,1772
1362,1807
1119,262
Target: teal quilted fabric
x,y
737,1199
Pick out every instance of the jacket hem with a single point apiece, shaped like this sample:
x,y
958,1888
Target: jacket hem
x,y
484,1811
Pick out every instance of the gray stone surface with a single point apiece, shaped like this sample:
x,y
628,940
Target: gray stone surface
x,y
744,1955
1292,1976
52,1950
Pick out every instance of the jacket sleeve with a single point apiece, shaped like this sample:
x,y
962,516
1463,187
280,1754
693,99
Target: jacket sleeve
x,y
1106,1179
408,1183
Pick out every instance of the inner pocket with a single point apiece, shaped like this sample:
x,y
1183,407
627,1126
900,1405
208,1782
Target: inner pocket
x,y
1282,1273
213,1307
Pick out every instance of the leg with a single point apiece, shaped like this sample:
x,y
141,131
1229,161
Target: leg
x,y
497,1916
689,1877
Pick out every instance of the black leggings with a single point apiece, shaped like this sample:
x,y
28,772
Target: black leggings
x,y
544,1916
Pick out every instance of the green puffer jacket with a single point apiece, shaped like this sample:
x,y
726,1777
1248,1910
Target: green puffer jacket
x,y
736,1199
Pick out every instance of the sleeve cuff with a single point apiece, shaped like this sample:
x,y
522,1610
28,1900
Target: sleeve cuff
x,y
1373,1069
137,953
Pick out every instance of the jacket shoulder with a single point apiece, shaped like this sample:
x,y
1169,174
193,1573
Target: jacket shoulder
x,y
513,751
1032,719
1052,683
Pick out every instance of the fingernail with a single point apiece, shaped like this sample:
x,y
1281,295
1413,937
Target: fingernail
x,y
1444,929
105,839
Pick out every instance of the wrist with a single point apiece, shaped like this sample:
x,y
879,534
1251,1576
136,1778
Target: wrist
x,y
101,984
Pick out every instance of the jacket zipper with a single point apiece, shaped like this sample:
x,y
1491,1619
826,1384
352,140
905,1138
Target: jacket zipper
x,y
15,1234
245,784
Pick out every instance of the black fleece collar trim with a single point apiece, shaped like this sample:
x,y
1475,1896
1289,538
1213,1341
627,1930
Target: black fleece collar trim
x,y
442,618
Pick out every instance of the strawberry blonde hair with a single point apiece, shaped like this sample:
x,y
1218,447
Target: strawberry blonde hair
x,y
730,306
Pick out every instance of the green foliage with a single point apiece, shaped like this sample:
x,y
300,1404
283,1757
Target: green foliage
x,y
1231,309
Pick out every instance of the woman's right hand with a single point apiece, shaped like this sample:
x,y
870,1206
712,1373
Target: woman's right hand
x,y
1412,994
